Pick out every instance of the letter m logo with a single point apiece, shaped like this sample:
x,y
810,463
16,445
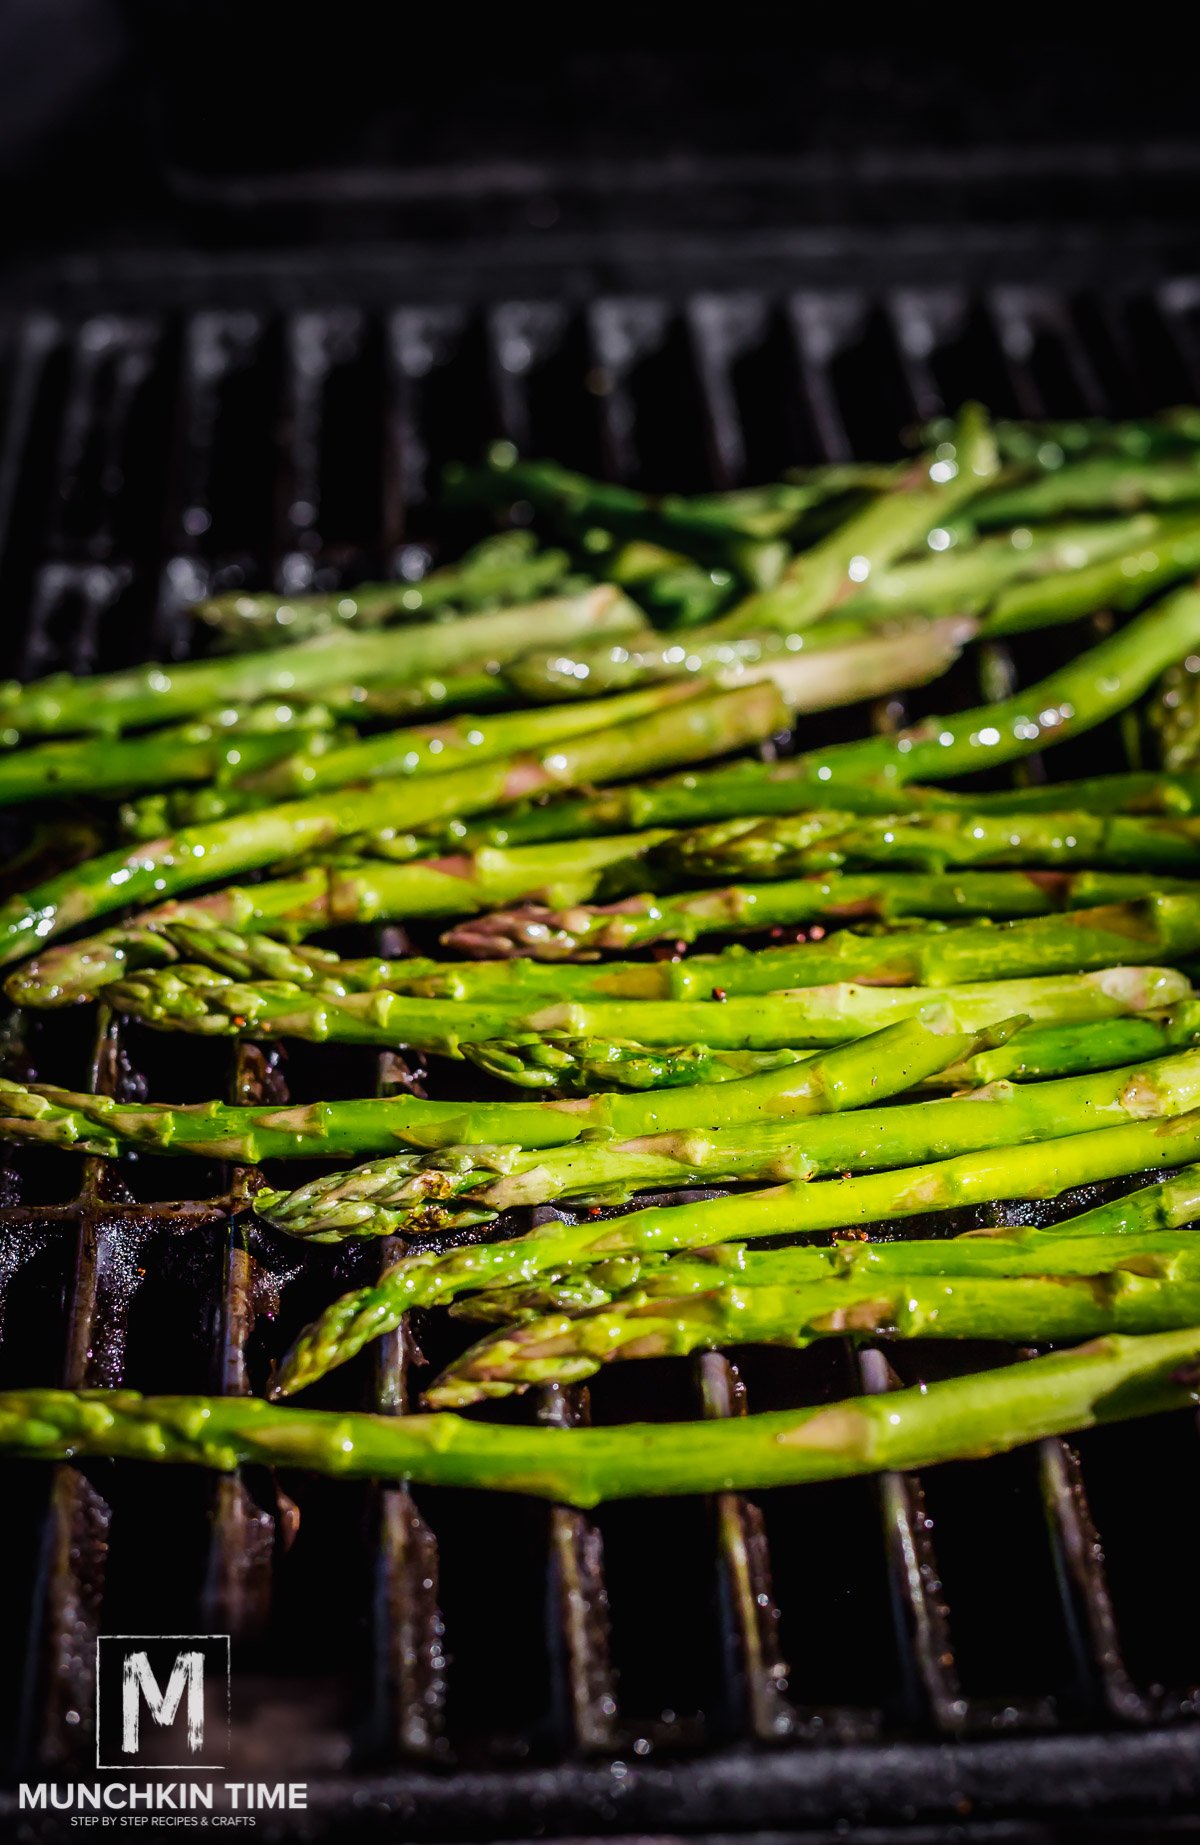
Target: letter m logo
x,y
162,1700
139,1686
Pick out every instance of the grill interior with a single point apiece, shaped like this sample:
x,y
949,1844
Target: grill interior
x,y
749,1657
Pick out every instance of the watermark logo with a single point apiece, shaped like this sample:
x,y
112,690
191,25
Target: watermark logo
x,y
162,1701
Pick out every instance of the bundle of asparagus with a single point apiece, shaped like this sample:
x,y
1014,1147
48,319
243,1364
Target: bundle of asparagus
x,y
1027,949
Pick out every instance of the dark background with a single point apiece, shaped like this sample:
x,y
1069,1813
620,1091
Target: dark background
x,y
664,137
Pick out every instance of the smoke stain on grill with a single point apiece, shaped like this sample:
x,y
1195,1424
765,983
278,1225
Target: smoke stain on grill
x,y
146,454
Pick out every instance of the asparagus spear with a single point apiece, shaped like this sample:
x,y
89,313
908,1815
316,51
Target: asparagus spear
x,y
1047,445
1154,929
469,1185
582,1066
1174,713
325,896
1135,792
477,686
819,578
1107,1380
113,702
217,748
971,577
506,568
822,576
693,728
1096,483
587,1066
676,591
430,750
1069,1050
428,1279
584,931
827,840
1081,695
1122,581
1139,1233
563,1348
838,663
194,999
98,1124
754,512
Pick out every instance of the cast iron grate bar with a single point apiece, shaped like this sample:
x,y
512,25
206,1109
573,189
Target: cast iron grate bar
x,y
67,1613
236,1598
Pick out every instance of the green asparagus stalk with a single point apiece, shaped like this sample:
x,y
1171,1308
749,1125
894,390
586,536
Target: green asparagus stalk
x,y
588,1066
1040,1171
1071,1050
1097,483
507,568
821,577
691,729
471,688
1175,714
932,842
470,1185
444,746
113,702
199,1001
1149,930
218,749
430,750
1047,445
1122,581
584,931
581,1066
1135,792
972,577
565,1349
1096,686
675,590
1138,1233
326,896
1033,579
989,1412
249,1135
839,662
755,512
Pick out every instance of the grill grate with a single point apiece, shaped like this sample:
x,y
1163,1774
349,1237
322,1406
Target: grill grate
x,y
556,1658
